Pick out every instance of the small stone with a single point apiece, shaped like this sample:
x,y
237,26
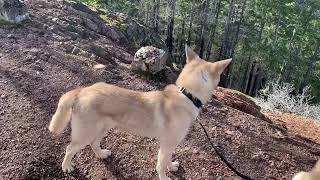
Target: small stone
x,y
99,66
45,26
10,36
3,96
53,28
55,19
38,68
229,132
195,151
93,56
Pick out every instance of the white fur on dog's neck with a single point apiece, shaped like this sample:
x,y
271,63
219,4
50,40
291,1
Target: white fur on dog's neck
x,y
203,90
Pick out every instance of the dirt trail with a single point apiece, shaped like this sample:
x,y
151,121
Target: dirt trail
x,y
42,59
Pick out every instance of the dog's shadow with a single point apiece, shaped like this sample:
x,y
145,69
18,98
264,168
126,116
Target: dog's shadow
x,y
47,167
180,174
113,165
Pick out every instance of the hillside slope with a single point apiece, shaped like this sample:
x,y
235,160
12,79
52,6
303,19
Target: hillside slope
x,y
55,52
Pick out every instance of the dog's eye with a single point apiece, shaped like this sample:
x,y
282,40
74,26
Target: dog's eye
x,y
204,77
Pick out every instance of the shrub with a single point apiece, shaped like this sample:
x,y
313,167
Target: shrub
x,y
277,97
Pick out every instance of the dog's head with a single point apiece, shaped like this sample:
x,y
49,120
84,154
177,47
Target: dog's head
x,y
201,77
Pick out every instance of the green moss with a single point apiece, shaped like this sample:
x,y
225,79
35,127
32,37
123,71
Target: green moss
x,y
4,23
114,22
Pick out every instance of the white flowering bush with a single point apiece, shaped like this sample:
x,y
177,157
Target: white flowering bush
x,y
277,97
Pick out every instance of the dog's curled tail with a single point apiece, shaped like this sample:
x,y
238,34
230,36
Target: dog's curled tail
x,y
63,113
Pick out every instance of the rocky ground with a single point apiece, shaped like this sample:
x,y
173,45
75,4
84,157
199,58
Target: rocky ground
x,y
57,49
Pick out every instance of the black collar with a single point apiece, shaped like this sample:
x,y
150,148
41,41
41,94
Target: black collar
x,y
194,100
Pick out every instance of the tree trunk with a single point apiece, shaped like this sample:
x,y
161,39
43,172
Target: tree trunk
x,y
246,80
286,67
156,16
252,79
310,69
238,28
181,43
233,46
169,39
213,30
147,13
225,46
204,24
225,43
191,22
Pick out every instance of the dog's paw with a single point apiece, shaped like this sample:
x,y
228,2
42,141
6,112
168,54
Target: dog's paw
x,y
67,168
104,153
165,178
173,166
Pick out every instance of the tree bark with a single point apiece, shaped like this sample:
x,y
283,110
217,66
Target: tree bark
x,y
191,22
204,24
310,68
156,16
238,28
233,46
181,43
247,75
213,30
225,43
225,46
169,39
146,14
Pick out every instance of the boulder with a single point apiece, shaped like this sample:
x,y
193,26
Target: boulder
x,y
13,11
239,101
149,59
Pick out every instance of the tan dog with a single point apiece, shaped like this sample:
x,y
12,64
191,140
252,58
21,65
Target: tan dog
x,y
314,174
165,115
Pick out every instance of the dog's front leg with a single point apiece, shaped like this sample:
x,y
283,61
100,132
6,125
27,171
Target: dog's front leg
x,y
164,160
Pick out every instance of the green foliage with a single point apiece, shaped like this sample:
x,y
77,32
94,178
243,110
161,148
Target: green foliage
x,y
4,23
94,3
118,22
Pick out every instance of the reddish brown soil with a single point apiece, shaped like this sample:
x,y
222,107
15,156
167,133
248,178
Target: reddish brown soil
x,y
36,67
298,125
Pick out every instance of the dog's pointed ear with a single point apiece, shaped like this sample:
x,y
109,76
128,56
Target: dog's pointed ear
x,y
190,55
219,66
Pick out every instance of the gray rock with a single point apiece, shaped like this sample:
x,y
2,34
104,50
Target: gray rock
x,y
55,19
11,36
53,28
90,24
13,11
149,59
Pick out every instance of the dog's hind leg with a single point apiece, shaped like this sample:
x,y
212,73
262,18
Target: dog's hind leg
x,y
82,134
71,150
95,145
